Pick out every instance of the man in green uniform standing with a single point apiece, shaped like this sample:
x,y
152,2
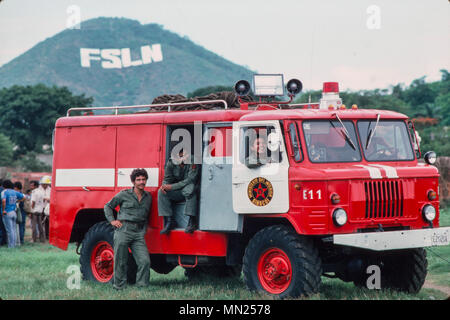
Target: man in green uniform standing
x,y
130,227
179,184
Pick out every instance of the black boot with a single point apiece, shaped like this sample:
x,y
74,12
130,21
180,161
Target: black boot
x,y
192,225
169,224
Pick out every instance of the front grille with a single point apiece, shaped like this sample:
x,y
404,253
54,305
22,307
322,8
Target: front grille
x,y
384,199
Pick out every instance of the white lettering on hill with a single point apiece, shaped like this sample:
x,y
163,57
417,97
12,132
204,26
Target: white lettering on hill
x,y
120,58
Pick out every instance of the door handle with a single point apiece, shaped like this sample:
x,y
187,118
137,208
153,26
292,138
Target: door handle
x,y
211,175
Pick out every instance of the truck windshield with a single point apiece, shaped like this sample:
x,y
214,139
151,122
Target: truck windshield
x,y
327,141
390,141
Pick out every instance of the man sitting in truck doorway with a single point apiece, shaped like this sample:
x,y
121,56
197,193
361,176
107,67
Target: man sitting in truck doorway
x,y
179,184
130,228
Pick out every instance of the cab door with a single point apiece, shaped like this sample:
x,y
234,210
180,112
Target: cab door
x,y
216,213
261,188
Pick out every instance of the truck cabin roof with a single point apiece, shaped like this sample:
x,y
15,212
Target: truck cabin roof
x,y
224,116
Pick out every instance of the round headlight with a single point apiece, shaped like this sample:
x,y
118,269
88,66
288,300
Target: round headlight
x,y
430,157
429,212
339,217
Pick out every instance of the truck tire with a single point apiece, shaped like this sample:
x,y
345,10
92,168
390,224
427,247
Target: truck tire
x,y
97,255
405,270
282,263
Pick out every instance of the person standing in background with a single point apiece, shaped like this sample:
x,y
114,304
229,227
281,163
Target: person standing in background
x,y
37,207
9,200
3,235
45,182
21,211
27,206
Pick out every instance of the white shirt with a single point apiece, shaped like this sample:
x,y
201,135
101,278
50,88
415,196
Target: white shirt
x,y
38,195
47,201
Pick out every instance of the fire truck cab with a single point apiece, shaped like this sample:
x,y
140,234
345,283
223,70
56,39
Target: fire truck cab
x,y
331,191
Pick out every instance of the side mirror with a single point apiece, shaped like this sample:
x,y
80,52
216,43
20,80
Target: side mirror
x,y
430,157
415,138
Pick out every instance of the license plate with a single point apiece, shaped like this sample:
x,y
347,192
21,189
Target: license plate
x,y
440,237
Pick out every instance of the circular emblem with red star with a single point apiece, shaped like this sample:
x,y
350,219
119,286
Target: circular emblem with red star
x,y
260,191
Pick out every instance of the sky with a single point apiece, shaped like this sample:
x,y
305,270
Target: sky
x,y
362,44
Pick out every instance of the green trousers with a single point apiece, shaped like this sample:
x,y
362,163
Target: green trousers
x,y
188,194
131,236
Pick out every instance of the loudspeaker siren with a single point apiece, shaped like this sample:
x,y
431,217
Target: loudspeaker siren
x,y
242,88
294,86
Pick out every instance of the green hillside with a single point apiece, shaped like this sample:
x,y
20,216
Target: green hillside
x,y
56,61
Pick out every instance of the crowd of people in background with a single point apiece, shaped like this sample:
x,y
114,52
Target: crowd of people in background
x,y
17,206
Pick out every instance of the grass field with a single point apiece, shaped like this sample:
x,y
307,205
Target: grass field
x,y
39,271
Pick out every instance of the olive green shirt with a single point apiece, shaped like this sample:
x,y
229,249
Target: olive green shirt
x,y
179,176
254,161
130,207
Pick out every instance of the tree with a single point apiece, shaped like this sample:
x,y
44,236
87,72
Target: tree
x,y
419,93
28,113
435,138
397,91
445,75
420,96
30,163
6,151
443,101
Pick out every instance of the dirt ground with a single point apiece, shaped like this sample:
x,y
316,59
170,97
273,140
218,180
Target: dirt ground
x,y
430,285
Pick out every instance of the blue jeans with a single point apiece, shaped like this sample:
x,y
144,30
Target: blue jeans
x,y
9,220
22,227
3,235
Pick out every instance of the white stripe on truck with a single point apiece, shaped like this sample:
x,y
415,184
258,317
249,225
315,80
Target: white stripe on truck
x,y
391,172
84,177
375,173
101,177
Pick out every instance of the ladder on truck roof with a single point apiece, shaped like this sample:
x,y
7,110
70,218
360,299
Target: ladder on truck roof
x,y
150,106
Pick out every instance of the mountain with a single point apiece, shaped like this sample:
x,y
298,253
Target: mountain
x,y
119,61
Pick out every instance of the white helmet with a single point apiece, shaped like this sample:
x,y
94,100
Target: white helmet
x,y
46,180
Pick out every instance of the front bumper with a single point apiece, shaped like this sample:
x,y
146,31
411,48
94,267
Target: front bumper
x,y
392,240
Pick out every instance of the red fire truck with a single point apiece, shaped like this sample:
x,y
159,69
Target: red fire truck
x,y
341,189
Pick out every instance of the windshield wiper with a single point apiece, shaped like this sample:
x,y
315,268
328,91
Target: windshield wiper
x,y
371,133
345,132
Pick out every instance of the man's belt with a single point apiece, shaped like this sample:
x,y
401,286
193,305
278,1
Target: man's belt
x,y
134,223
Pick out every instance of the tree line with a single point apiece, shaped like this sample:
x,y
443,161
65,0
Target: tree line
x,y
27,120
28,114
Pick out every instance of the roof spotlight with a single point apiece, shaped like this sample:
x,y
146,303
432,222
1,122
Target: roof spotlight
x,y
242,87
294,86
